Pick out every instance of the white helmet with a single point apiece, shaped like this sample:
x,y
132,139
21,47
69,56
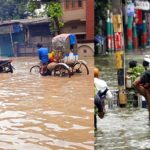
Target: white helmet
x,y
147,58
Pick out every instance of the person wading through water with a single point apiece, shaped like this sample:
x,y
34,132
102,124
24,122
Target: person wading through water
x,y
101,92
142,85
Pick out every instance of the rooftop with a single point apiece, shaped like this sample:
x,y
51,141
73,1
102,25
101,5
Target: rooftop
x,y
26,21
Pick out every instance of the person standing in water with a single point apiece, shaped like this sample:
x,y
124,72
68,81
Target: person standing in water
x,y
142,85
101,92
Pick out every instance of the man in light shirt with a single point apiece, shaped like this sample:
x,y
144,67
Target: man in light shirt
x,y
101,93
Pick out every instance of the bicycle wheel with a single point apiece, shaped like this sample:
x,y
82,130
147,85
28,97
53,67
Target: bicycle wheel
x,y
80,67
35,69
62,70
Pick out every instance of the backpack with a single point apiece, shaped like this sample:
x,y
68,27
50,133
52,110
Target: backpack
x,y
99,100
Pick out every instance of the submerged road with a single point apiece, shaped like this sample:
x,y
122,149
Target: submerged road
x,y
45,113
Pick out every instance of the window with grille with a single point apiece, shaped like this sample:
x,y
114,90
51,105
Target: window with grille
x,y
67,4
73,3
79,3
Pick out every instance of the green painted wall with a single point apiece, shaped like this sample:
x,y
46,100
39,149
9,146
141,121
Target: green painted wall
x,y
6,46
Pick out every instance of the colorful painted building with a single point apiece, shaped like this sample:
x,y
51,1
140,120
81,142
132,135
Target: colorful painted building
x,y
136,23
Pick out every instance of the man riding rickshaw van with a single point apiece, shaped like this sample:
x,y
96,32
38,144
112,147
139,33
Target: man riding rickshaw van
x,y
64,55
62,60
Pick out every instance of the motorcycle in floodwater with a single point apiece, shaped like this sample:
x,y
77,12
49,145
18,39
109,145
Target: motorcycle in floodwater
x,y
6,66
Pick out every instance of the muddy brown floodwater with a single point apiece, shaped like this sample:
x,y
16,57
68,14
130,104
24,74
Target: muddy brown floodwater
x,y
45,113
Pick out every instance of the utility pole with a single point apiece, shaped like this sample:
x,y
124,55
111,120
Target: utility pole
x,y
119,50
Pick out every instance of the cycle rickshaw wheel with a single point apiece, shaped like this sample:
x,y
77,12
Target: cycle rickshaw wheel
x,y
35,69
80,67
62,70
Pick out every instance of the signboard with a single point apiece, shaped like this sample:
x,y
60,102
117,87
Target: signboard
x,y
130,9
118,40
117,23
119,59
143,5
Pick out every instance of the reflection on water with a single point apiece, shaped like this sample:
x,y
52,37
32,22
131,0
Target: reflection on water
x,y
45,113
122,128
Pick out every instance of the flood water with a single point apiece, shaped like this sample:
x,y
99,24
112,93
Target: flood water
x,y
122,128
45,113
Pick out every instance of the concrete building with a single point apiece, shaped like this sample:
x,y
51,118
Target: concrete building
x,y
79,19
19,37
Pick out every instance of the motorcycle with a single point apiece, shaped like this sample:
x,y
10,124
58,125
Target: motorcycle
x,y
6,66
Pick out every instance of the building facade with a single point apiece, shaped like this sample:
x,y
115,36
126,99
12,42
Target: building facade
x,y
136,23
19,37
79,19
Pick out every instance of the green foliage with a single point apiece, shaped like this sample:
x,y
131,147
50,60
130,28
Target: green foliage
x,y
61,24
12,9
54,11
135,72
19,9
101,7
32,5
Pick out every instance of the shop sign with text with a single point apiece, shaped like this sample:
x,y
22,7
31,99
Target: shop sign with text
x,y
142,5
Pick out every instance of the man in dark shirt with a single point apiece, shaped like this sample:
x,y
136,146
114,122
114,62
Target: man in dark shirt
x,y
142,85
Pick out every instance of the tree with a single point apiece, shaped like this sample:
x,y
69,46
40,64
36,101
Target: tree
x,y
12,9
53,10
33,5
101,7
